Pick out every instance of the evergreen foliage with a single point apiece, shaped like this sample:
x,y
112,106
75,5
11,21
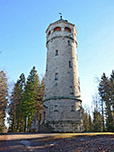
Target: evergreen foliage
x,y
26,103
106,92
31,97
16,107
87,121
97,121
3,99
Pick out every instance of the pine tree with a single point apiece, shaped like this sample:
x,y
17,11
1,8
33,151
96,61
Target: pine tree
x,y
97,114
112,89
105,94
112,95
26,103
97,121
3,98
20,111
87,121
16,110
31,98
12,109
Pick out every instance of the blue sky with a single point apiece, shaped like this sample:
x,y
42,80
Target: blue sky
x,y
22,37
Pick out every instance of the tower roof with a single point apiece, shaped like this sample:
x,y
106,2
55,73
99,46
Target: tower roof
x,y
61,20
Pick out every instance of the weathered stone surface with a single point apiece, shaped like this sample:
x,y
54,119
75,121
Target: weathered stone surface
x,y
63,106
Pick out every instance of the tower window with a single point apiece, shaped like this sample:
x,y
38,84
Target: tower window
x,y
56,52
56,76
68,42
70,65
55,84
72,108
57,29
56,108
67,29
72,93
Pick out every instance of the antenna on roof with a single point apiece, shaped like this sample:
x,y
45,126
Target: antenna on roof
x,y
60,16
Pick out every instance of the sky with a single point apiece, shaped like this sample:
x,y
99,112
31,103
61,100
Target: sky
x,y
23,39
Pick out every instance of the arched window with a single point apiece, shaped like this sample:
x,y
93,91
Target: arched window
x,y
56,52
57,29
67,29
56,76
72,108
70,64
68,42
56,108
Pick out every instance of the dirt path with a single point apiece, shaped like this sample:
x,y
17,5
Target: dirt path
x,y
57,143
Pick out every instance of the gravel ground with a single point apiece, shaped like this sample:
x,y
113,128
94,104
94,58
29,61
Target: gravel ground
x,y
54,143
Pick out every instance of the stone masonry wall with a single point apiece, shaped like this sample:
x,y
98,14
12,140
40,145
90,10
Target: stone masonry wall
x,y
62,104
68,80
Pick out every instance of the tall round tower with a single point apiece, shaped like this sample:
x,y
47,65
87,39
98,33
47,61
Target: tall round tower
x,y
62,110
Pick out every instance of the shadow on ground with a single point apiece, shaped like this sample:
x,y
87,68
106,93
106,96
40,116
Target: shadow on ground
x,y
57,143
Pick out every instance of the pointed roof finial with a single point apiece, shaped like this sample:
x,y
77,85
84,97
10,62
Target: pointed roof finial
x,y
60,16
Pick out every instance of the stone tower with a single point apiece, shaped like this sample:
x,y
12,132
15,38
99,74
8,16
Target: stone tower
x,y
62,110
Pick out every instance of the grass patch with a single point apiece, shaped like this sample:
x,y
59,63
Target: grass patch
x,y
50,136
69,135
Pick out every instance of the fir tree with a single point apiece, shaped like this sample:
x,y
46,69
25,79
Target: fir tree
x,y
16,110
97,121
3,98
31,98
87,121
97,114
105,94
112,89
